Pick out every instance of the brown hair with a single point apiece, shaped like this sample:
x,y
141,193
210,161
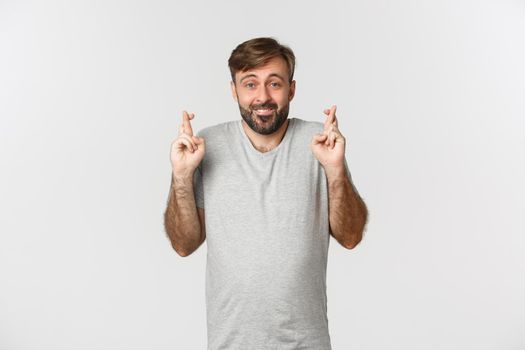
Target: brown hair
x,y
257,52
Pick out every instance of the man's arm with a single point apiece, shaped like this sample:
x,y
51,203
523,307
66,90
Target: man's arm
x,y
182,221
185,230
347,211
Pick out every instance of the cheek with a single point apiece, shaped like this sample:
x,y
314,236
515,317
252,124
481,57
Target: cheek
x,y
247,99
244,102
282,98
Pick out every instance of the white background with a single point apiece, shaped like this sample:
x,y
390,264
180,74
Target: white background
x,y
430,98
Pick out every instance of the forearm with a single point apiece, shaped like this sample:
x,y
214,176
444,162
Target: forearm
x,y
347,211
181,220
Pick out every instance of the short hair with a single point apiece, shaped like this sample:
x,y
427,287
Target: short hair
x,y
258,51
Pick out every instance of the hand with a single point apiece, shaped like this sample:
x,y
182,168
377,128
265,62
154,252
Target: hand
x,y
187,150
329,146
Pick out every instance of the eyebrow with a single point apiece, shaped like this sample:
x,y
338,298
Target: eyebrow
x,y
255,76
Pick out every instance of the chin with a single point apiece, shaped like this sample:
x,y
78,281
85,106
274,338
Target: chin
x,y
255,122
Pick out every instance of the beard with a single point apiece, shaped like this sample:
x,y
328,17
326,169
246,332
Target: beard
x,y
265,125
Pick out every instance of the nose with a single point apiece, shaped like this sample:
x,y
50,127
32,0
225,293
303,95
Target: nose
x,y
262,95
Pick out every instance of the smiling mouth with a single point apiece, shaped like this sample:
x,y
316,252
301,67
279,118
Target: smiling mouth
x,y
264,112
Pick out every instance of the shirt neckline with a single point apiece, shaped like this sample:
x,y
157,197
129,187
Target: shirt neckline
x,y
284,140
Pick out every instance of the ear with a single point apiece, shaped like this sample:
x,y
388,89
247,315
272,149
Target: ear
x,y
291,94
234,91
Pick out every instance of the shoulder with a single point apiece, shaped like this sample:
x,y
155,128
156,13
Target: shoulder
x,y
218,131
220,140
308,126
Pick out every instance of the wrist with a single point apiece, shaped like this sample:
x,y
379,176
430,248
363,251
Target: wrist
x,y
335,171
182,177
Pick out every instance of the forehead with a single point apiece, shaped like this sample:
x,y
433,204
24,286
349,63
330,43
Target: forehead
x,y
276,66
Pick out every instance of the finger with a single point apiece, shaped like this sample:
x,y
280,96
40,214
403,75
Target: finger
x,y
330,116
326,132
183,142
329,139
190,140
186,125
330,128
332,139
197,140
182,125
319,138
186,140
338,138
332,113
337,131
326,121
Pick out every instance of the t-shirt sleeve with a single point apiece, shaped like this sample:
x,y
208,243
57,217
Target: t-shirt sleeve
x,y
198,187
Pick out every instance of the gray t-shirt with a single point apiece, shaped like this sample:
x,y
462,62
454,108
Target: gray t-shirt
x,y
267,234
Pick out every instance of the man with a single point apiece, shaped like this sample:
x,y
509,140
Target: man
x,y
265,192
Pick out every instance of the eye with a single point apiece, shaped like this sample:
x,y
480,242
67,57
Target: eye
x,y
249,85
275,84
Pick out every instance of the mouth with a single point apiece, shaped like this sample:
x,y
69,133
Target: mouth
x,y
264,111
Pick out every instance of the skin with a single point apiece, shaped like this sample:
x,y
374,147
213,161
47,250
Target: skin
x,y
183,221
347,211
266,86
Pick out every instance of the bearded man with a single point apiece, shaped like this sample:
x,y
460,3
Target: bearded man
x,y
265,192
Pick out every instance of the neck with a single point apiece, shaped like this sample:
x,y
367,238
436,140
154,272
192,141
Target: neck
x,y
265,143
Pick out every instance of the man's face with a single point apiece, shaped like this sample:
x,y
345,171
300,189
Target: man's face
x,y
264,94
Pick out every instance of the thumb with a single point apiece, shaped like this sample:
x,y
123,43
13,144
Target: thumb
x,y
318,138
197,140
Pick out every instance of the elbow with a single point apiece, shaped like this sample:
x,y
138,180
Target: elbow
x,y
176,243
356,236
184,248
181,251
353,241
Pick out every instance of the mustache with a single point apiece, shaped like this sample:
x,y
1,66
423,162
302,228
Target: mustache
x,y
264,106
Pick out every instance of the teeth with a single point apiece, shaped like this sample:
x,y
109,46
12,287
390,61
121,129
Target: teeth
x,y
264,112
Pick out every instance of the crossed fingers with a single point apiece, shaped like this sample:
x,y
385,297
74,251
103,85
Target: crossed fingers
x,y
332,119
186,132
185,127
330,127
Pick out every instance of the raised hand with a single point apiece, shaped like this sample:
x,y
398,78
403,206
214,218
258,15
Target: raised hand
x,y
329,146
187,150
